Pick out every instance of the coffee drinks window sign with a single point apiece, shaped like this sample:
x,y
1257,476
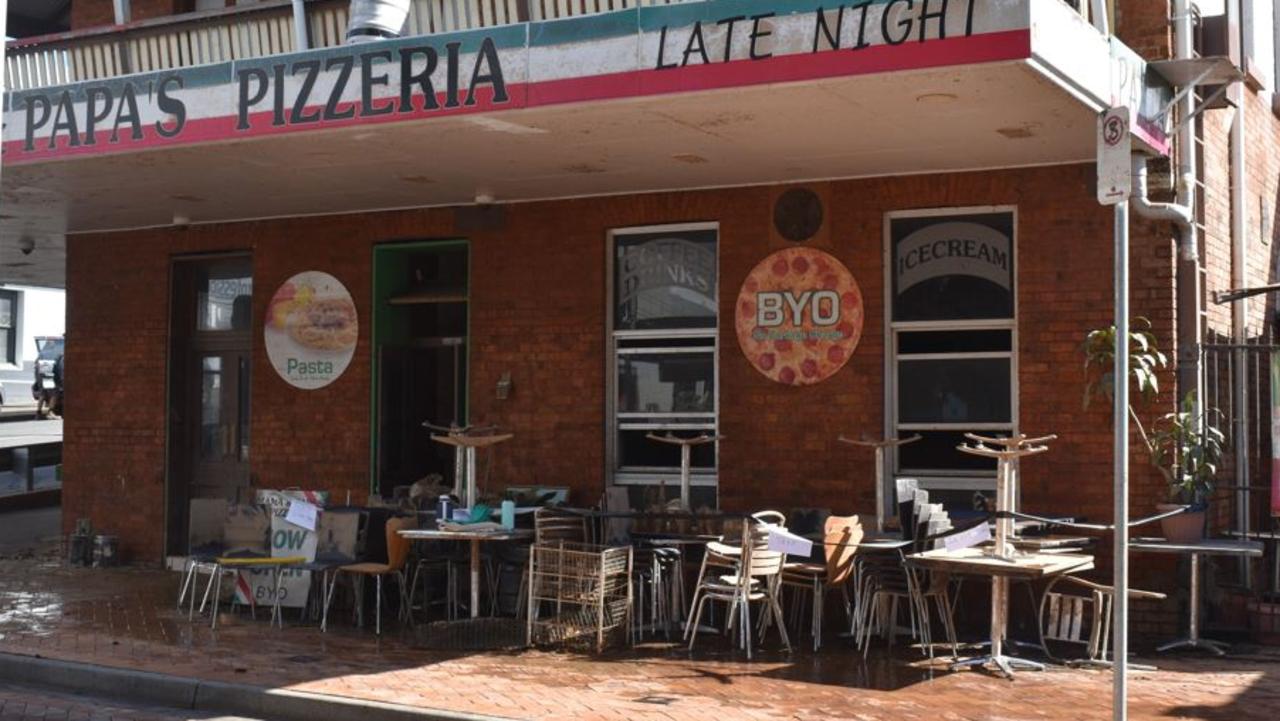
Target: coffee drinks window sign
x,y
799,316
311,330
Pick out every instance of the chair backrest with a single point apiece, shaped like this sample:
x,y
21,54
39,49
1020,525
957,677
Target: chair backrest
x,y
551,525
777,518
762,564
397,545
841,536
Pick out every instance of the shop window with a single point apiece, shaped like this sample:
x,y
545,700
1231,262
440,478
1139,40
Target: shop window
x,y
953,335
664,374
224,296
9,327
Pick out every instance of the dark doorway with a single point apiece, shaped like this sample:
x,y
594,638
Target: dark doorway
x,y
420,341
210,346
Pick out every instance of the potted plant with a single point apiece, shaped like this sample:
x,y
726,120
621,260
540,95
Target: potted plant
x,y
1184,446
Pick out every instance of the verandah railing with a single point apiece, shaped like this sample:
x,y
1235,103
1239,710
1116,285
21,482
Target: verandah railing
x,y
259,30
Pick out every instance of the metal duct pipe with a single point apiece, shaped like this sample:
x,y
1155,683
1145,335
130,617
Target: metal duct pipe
x,y
1240,315
376,19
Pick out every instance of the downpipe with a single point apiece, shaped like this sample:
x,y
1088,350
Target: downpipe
x,y
1240,321
372,20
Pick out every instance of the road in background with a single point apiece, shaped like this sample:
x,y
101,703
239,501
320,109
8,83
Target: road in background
x,y
19,703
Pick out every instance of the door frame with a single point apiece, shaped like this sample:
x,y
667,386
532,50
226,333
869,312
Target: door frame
x,y
376,302
171,545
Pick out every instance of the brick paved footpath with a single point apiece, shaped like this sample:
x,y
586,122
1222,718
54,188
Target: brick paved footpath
x,y
125,618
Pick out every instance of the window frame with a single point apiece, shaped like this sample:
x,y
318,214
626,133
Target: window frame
x,y
935,479
9,356
630,342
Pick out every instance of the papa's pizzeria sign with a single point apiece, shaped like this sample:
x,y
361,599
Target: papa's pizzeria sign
x,y
799,316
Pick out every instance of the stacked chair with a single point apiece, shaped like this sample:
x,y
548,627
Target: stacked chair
x,y
841,536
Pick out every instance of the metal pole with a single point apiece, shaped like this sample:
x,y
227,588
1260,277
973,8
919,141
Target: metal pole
x,y
686,477
1120,607
880,511
123,12
4,33
300,39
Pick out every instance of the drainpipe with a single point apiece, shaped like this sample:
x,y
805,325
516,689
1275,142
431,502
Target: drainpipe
x,y
1240,314
1182,214
372,20
123,12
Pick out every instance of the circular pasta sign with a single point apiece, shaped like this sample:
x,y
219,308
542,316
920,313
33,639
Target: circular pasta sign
x,y
799,316
311,330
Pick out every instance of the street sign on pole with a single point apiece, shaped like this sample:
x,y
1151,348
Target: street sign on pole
x,y
1115,145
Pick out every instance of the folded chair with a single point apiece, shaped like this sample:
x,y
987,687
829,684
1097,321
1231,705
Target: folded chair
x,y
755,581
1082,618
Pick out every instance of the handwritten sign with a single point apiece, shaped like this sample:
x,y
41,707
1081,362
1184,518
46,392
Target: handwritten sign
x,y
302,514
783,541
969,538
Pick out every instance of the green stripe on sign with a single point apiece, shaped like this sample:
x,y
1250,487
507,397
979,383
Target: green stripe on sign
x,y
654,18
200,76
584,28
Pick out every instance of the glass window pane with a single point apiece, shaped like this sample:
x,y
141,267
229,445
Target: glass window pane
x,y
636,450
224,296
969,390
212,430
6,309
955,341
666,383
936,451
953,267
665,280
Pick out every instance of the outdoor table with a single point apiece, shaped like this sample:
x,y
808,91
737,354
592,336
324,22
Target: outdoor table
x,y
1023,567
475,537
1210,547
1050,543
276,564
1271,537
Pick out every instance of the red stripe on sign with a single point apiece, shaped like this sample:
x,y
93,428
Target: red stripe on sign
x,y
990,47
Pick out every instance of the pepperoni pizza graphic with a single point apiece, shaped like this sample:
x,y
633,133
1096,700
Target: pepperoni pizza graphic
x,y
799,316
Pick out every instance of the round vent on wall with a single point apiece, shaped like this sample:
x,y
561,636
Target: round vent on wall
x,y
797,214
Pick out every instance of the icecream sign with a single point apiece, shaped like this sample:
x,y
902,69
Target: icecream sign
x,y
799,316
311,330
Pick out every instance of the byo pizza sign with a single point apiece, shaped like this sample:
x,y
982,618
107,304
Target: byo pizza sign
x,y
799,316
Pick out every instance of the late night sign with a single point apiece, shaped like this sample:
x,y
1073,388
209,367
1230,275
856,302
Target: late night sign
x,y
652,51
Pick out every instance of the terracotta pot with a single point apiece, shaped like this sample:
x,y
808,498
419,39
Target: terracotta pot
x,y
1182,528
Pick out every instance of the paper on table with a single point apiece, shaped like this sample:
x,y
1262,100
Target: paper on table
x,y
302,514
975,536
906,488
782,540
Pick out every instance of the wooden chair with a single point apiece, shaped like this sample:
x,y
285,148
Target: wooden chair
x,y
397,558
841,536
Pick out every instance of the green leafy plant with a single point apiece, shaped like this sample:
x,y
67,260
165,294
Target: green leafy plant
x,y
1187,452
1184,447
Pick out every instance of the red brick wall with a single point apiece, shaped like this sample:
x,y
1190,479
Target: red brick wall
x,y
93,13
538,311
1144,26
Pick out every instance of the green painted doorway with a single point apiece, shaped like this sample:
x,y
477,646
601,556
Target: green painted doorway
x,y
420,342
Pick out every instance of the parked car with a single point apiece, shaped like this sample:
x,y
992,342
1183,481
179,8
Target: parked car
x,y
47,388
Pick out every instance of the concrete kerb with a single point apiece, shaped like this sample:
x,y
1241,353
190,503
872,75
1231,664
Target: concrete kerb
x,y
213,696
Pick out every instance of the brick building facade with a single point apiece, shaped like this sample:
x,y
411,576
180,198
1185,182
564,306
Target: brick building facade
x,y
539,316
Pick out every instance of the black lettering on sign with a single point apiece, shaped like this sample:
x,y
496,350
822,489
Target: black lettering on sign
x,y
298,114
662,50
408,79
277,106
488,55
756,35
128,111
64,118
904,24
98,104
368,80
170,105
940,15
247,99
697,43
452,51
864,6
823,31
41,101
344,64
728,34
